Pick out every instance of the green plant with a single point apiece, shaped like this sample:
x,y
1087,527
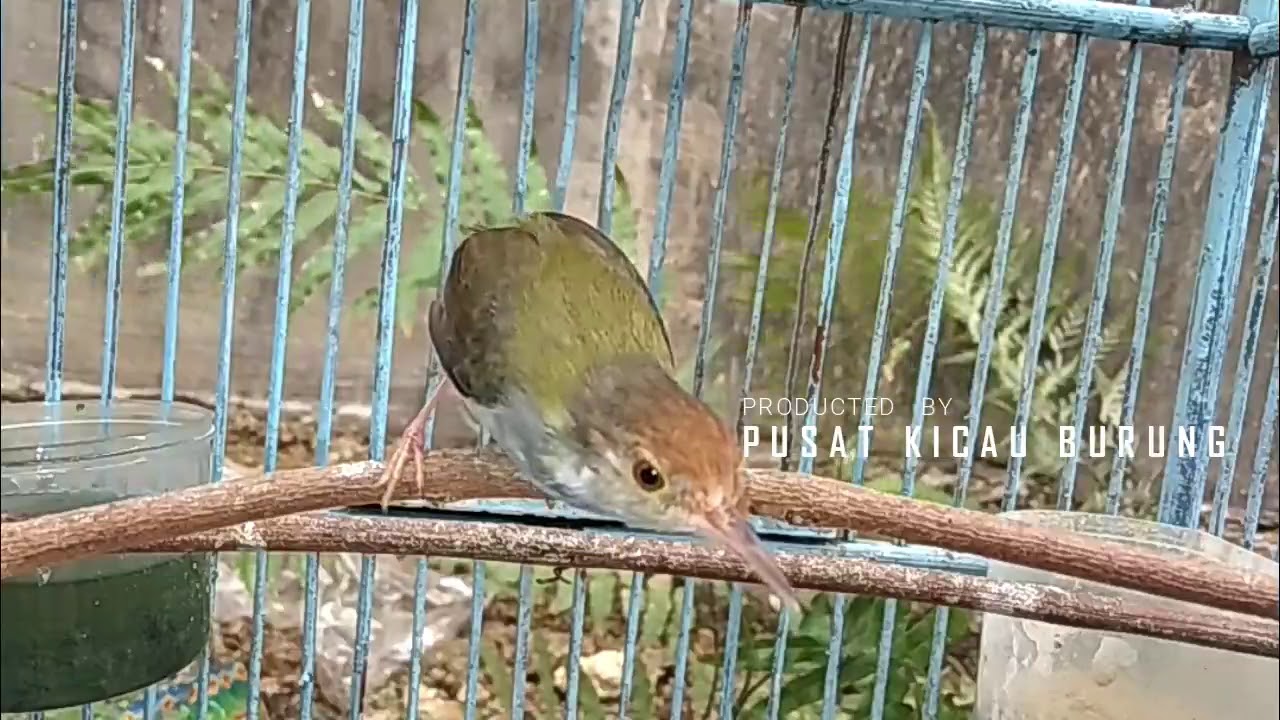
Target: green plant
x,y
806,664
969,283
484,193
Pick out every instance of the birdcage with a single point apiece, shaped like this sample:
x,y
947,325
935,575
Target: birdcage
x,y
995,270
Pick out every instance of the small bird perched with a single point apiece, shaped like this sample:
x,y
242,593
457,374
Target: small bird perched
x,y
550,337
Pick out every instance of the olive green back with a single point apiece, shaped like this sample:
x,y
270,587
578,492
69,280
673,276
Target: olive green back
x,y
533,308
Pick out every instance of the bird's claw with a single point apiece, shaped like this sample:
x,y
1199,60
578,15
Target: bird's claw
x,y
410,444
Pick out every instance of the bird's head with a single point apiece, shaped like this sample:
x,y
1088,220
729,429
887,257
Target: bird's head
x,y
667,462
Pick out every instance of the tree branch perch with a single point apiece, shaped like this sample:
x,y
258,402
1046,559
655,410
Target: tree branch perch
x,y
455,475
511,542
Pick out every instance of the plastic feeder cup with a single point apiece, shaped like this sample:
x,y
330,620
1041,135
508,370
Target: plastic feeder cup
x,y
103,626
1040,671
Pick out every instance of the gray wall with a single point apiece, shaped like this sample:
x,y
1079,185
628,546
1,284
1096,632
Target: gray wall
x,y
30,54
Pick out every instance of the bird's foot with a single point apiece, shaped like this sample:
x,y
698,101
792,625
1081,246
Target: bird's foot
x,y
410,447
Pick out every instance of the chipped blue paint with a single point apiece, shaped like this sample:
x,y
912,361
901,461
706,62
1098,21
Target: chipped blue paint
x,y
1234,174
771,214
1182,27
1255,309
737,72
835,249
1150,263
1048,248
964,146
1262,452
1117,176
1264,40
977,388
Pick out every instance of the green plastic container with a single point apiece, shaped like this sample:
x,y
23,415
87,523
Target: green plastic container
x,y
96,628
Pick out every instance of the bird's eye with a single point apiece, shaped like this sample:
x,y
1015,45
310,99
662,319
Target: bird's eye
x,y
647,477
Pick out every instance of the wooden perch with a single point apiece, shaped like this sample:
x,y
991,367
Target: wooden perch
x,y
510,542
454,475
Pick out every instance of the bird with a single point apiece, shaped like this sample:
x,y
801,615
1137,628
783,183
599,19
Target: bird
x,y
549,336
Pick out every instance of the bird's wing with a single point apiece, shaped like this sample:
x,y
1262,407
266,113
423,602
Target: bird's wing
x,y
533,308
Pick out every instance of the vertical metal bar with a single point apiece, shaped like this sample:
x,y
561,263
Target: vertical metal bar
x,y
893,248
1234,173
628,15
457,148
333,329
732,105
679,677
826,308
1150,264
573,668
1256,308
174,269
991,311
737,71
815,219
527,97
670,151
67,44
1118,175
753,339
635,599
577,613
239,110
916,99
1044,275
115,249
1000,255
959,166
524,613
400,136
279,339
732,635
420,576
452,211
1262,452
572,81
622,70
771,215
475,640
779,665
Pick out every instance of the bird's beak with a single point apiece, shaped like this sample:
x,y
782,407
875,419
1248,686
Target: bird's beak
x,y
731,529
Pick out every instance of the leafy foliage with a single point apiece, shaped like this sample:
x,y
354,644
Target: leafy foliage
x,y
807,652
970,282
484,191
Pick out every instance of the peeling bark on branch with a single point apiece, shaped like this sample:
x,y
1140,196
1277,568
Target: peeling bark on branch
x,y
464,475
510,542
